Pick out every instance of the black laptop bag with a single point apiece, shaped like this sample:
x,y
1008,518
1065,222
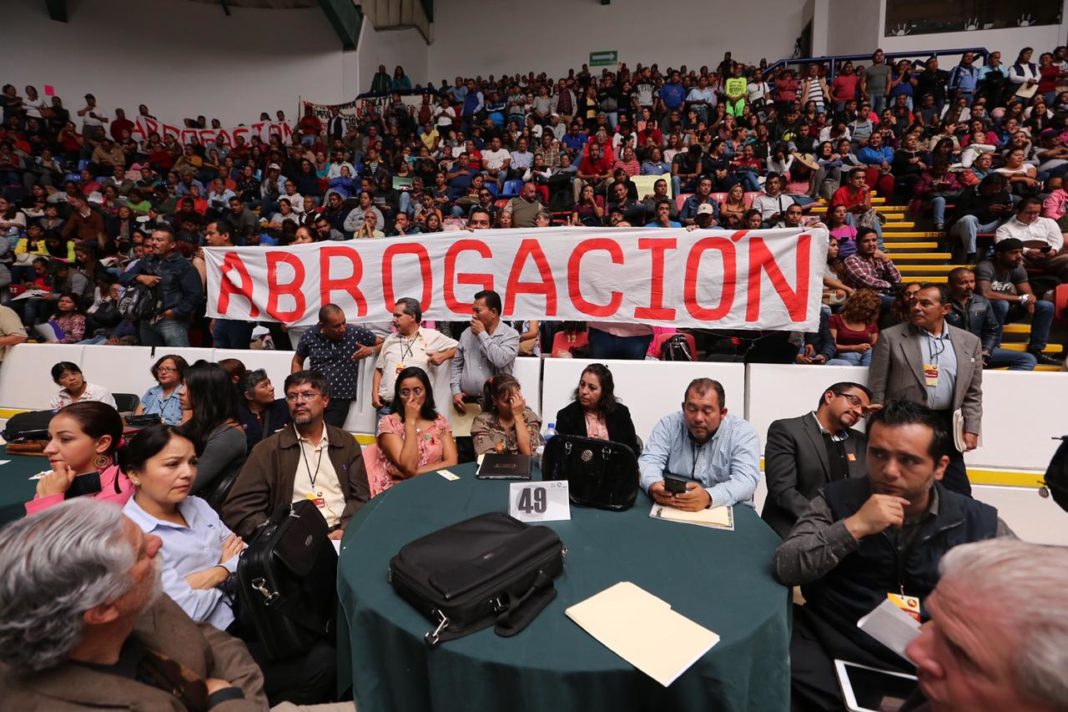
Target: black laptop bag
x,y
287,582
490,570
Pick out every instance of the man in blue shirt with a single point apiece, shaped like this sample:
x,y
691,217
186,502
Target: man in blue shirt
x,y
964,78
719,452
672,94
662,214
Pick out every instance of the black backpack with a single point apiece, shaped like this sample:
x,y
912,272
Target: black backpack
x,y
1056,478
675,348
140,302
599,473
490,570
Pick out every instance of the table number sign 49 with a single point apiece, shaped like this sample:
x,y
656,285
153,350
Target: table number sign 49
x,y
539,501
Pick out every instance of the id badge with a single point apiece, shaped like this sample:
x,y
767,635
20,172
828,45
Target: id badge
x,y
317,499
400,367
909,604
930,374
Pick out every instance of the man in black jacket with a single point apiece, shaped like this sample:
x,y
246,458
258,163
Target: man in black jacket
x,y
972,312
863,541
979,210
179,287
805,453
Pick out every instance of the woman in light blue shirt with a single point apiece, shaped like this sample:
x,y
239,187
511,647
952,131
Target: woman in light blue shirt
x,y
164,398
200,554
199,551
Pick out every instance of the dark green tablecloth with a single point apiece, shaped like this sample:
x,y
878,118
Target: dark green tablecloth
x,y
15,486
722,580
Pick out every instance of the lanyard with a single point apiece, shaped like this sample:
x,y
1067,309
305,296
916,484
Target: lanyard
x,y
932,342
307,464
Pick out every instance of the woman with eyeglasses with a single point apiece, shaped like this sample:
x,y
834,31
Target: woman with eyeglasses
x,y
414,438
164,398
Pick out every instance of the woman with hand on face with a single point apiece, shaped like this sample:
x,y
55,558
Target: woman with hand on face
x,y
595,412
414,438
506,425
82,439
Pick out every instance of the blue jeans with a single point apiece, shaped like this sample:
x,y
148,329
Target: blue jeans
x,y
1041,321
604,345
851,358
232,333
165,332
750,182
878,103
1013,360
938,209
967,229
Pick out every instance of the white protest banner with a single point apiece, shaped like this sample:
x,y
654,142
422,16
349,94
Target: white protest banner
x,y
144,126
760,279
350,111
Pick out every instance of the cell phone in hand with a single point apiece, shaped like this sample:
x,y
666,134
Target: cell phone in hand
x,y
675,485
87,484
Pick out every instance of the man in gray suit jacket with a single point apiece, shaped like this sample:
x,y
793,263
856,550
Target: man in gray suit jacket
x,y
930,362
805,453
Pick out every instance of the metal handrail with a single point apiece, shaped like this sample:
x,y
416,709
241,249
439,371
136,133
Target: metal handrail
x,y
891,58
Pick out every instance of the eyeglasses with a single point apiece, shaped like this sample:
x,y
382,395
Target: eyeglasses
x,y
853,400
304,397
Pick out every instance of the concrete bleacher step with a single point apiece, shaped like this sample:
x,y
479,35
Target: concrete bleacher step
x,y
899,225
898,256
1049,369
911,245
934,269
1021,346
1016,329
911,234
890,216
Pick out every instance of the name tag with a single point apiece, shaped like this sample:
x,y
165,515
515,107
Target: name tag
x,y
908,604
539,501
930,374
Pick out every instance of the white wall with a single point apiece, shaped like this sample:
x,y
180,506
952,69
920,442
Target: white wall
x,y
180,58
852,26
1012,439
1008,40
477,37
391,48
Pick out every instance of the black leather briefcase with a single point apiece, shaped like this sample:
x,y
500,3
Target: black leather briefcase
x,y
490,570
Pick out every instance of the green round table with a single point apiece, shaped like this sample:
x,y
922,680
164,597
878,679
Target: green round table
x,y
16,487
720,579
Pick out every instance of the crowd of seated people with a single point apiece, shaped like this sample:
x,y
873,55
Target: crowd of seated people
x,y
91,208
841,514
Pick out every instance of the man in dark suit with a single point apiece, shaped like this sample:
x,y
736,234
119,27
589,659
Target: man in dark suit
x,y
335,126
930,362
805,453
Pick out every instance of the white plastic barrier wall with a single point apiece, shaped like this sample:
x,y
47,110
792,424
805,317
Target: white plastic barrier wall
x,y
1020,410
26,381
649,389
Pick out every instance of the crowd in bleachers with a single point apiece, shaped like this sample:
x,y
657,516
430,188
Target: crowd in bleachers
x,y
90,207
103,236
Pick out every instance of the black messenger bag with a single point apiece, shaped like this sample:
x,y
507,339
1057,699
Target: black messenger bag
x,y
599,473
287,582
490,570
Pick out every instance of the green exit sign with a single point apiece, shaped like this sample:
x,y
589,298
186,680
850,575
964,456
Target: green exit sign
x,y
604,59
